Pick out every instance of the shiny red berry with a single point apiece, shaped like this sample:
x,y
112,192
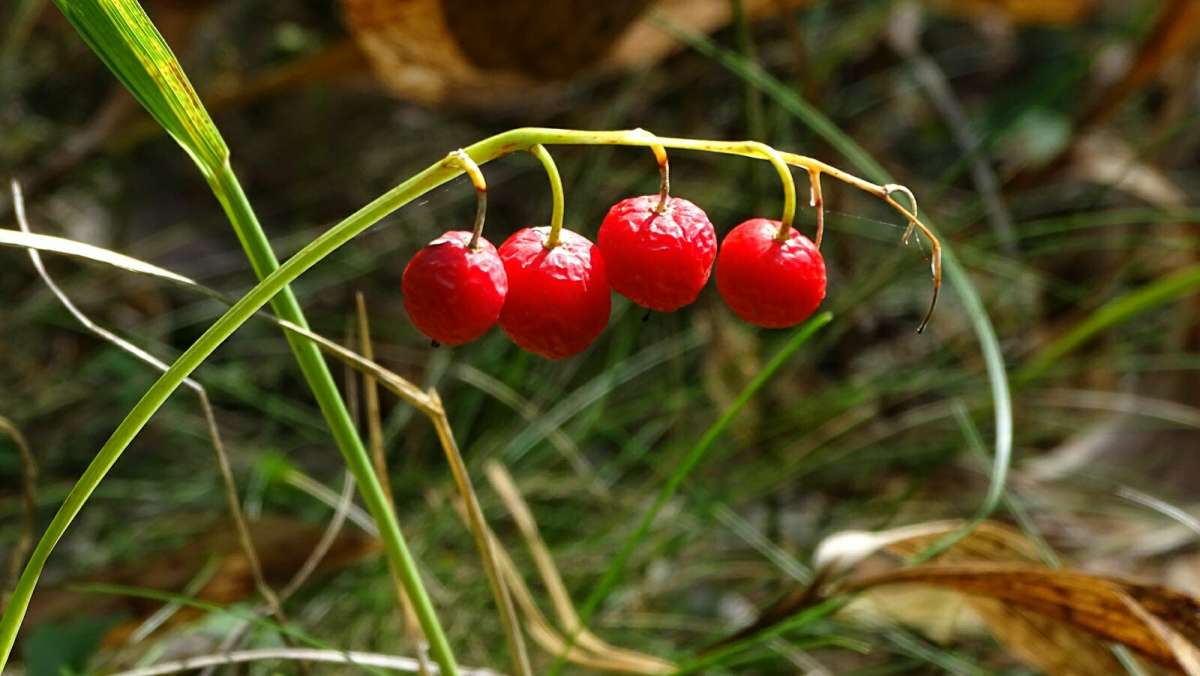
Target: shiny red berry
x,y
454,294
659,261
767,282
558,299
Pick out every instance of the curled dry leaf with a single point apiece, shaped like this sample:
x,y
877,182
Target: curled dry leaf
x,y
282,543
1175,33
1045,642
1157,622
1042,642
465,51
1021,11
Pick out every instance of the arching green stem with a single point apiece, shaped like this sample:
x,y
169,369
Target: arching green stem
x,y
556,192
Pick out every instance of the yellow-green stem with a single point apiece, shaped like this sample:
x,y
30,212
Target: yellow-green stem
x,y
789,187
664,177
556,193
316,372
468,165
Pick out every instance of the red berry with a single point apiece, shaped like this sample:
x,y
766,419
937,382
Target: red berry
x,y
659,261
558,299
767,282
454,294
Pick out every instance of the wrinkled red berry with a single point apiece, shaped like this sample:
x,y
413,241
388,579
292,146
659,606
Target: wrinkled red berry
x,y
659,261
558,299
766,282
453,294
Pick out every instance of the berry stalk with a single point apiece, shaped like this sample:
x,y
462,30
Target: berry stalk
x,y
664,171
664,178
556,192
817,202
789,187
462,160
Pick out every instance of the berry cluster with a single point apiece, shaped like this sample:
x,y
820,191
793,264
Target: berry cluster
x,y
549,288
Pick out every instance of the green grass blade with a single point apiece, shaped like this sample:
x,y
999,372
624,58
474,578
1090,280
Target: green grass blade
x,y
726,653
128,43
956,275
1164,290
125,39
616,566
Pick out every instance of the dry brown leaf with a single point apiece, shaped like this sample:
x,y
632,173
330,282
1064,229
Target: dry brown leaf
x,y
282,544
1046,643
1176,32
1051,646
1021,11
1096,603
1103,158
465,51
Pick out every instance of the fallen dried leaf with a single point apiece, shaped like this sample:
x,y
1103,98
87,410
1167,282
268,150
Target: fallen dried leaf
x,y
282,544
1157,622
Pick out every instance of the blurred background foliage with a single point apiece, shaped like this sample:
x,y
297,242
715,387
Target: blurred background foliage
x,y
1053,142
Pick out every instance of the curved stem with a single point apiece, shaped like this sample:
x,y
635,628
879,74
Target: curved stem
x,y
817,202
463,161
664,178
556,192
272,284
935,245
789,186
664,172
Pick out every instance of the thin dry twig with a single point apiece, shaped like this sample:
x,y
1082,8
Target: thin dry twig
x,y
351,657
28,503
530,412
343,507
412,628
510,495
539,628
323,494
479,529
226,471
345,500
1177,514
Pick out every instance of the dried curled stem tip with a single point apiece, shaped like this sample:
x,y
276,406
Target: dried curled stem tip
x,y
786,179
817,202
935,244
461,159
890,188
